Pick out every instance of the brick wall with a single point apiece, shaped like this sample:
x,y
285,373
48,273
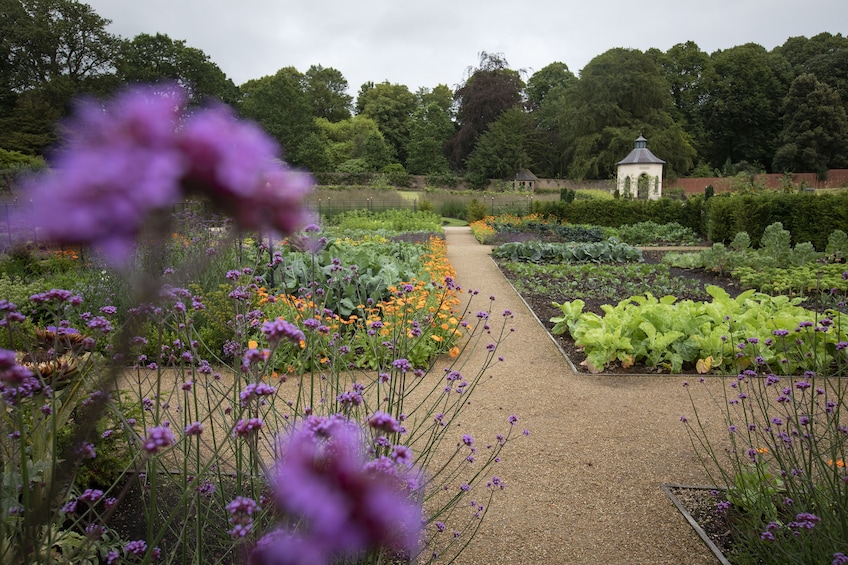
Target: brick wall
x,y
835,178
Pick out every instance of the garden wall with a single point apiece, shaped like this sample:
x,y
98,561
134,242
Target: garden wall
x,y
835,178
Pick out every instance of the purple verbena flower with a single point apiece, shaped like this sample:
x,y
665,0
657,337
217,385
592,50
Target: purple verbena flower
x,y
321,477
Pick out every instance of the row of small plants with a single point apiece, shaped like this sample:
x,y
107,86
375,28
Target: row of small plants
x,y
495,230
610,250
671,335
598,281
775,251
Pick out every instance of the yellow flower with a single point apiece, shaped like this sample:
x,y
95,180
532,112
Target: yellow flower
x,y
252,344
436,338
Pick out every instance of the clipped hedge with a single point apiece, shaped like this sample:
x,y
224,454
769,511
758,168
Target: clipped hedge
x,y
808,217
619,212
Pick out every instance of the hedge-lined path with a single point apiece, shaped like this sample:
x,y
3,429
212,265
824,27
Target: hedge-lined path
x,y
584,486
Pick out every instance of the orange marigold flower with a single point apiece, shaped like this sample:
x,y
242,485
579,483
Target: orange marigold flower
x,y
454,351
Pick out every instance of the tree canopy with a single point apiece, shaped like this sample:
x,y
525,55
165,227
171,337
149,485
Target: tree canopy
x,y
491,89
744,107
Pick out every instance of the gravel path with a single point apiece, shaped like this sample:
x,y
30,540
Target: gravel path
x,y
584,486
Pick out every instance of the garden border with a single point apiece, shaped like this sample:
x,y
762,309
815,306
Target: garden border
x,y
666,488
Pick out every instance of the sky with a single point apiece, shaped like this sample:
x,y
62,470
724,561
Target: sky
x,y
424,44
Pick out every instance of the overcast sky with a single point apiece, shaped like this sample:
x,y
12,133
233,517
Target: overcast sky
x,y
424,44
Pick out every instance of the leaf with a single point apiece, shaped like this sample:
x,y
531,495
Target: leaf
x,y
703,366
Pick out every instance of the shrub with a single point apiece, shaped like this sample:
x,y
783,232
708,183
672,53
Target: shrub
x,y
475,211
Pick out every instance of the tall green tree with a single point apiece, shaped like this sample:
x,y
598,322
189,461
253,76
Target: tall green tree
x,y
741,111
50,52
502,150
391,106
815,129
620,95
553,76
551,153
432,127
279,104
57,46
824,55
490,90
326,89
152,58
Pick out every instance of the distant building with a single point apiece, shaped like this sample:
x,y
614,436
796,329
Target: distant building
x,y
640,173
524,180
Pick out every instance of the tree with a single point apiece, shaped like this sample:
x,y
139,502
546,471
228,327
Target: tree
x,y
686,69
326,89
52,50
501,151
550,154
153,58
620,95
280,105
355,144
824,55
815,129
432,126
391,106
555,75
60,45
741,111
491,89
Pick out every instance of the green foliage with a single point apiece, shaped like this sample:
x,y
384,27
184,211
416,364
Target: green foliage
x,y
453,209
567,195
475,211
668,334
17,160
490,90
326,89
809,217
157,58
564,232
391,107
608,251
442,180
837,246
396,175
815,130
395,220
502,150
741,111
808,279
652,233
426,207
279,104
610,212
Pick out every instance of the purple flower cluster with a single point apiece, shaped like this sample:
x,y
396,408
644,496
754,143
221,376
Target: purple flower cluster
x,y
347,505
158,438
280,329
16,381
244,427
143,152
254,391
241,511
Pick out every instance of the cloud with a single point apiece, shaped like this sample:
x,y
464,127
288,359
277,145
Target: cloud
x,y
425,44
